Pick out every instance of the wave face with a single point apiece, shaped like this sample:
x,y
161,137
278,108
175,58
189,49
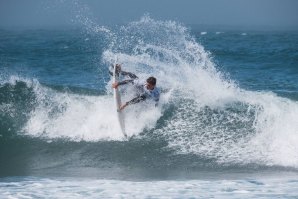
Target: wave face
x,y
210,116
205,120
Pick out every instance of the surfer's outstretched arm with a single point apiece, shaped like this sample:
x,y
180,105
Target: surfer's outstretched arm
x,y
116,84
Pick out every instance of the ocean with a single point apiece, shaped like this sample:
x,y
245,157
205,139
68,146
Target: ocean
x,y
225,127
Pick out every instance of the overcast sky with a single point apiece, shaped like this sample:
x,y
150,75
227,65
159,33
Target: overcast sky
x,y
272,13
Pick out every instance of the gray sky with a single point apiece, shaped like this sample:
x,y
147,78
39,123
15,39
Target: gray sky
x,y
271,13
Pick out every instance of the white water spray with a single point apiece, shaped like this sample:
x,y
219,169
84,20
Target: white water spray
x,y
213,118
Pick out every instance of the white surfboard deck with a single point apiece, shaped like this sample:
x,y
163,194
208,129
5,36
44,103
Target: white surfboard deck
x,y
117,98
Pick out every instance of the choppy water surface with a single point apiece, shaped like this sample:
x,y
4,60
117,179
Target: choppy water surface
x,y
226,125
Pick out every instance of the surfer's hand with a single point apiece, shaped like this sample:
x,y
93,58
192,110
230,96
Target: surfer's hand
x,y
123,106
115,85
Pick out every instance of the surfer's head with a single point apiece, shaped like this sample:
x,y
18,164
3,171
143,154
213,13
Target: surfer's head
x,y
151,82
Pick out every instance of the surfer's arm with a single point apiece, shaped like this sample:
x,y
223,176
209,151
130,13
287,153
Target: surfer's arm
x,y
116,84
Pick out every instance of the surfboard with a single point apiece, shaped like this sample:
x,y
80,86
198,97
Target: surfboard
x,y
117,98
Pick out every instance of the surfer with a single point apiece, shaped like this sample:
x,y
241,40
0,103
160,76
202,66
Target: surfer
x,y
144,91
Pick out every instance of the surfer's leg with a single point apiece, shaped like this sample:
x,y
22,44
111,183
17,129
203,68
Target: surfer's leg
x,y
118,69
129,74
124,73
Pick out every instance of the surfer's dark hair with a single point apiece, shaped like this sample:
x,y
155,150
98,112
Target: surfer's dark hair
x,y
151,80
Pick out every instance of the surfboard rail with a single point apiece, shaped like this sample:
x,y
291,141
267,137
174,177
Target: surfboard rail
x,y
117,98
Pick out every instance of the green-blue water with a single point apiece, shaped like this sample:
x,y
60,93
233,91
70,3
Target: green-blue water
x,y
227,115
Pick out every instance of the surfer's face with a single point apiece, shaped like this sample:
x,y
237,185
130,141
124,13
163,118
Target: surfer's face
x,y
149,86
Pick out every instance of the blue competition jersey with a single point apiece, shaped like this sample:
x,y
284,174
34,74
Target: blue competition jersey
x,y
150,94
